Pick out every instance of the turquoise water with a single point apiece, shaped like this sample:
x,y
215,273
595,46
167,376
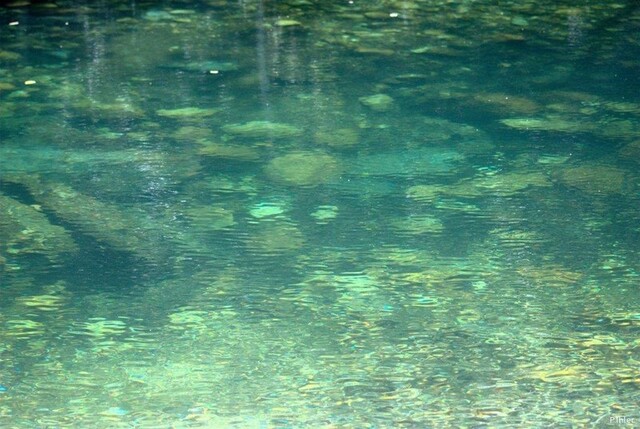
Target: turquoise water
x,y
312,214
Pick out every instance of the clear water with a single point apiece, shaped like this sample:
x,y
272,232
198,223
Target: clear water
x,y
319,214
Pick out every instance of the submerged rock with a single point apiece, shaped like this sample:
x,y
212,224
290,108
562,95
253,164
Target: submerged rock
x,y
53,298
366,187
374,50
9,55
504,184
93,217
6,86
504,104
507,183
418,224
220,150
425,193
207,66
631,151
549,275
287,23
304,168
157,15
187,113
407,162
267,210
550,123
439,129
195,133
596,179
324,214
378,102
338,138
26,230
276,237
262,130
122,228
207,218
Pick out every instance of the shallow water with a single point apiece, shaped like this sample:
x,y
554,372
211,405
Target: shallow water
x,y
319,214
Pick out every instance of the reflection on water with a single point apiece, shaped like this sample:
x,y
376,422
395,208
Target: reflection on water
x,y
319,214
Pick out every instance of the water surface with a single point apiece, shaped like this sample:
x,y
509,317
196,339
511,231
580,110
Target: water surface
x,y
319,214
